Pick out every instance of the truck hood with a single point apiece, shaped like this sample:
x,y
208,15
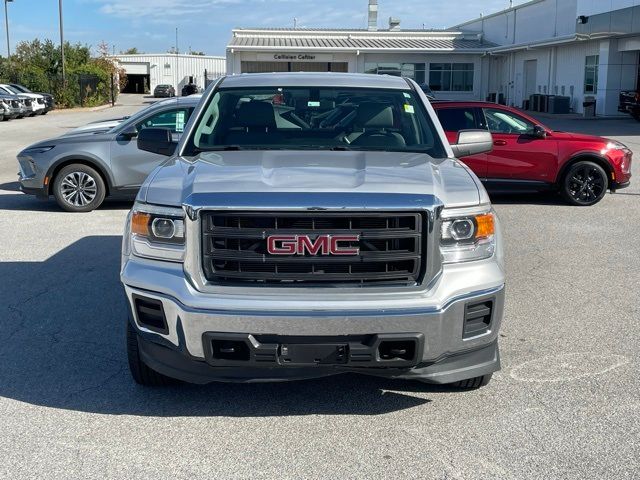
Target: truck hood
x,y
313,172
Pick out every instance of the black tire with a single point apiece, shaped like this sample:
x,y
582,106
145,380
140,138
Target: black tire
x,y
89,189
140,372
473,383
585,183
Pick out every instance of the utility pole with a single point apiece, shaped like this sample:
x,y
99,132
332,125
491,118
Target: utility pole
x,y
64,77
6,24
177,66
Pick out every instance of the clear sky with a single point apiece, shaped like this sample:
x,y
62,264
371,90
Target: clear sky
x,y
205,25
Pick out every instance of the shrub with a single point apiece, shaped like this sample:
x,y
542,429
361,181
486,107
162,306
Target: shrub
x,y
37,65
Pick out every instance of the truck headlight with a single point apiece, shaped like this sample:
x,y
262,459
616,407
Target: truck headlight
x,y
467,236
157,232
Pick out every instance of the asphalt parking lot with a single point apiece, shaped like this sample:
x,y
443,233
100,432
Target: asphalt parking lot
x,y
565,405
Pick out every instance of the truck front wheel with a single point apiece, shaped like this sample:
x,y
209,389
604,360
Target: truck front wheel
x,y
140,371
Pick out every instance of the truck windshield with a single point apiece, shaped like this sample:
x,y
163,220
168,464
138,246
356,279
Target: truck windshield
x,y
327,118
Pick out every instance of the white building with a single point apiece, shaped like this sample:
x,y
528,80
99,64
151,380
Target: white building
x,y
574,48
580,49
145,71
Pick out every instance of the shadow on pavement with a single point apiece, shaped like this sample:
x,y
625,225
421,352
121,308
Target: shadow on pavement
x,y
10,186
537,198
62,334
22,202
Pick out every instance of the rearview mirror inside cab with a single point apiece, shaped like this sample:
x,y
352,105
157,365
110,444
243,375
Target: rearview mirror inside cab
x,y
472,142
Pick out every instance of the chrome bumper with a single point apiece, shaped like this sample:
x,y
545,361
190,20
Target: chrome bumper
x,y
437,314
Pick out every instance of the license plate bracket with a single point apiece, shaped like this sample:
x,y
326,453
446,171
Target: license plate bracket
x,y
313,354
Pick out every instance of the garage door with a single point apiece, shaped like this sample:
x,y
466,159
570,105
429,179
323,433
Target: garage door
x,y
136,68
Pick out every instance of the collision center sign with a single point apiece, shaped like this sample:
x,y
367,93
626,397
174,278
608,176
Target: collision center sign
x,y
294,57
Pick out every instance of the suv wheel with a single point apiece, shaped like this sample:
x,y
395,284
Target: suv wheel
x,y
584,184
140,372
78,188
473,383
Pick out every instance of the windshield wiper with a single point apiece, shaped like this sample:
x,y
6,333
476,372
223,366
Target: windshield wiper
x,y
222,148
225,148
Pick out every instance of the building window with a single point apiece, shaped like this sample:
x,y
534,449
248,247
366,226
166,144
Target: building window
x,y
415,71
451,77
591,74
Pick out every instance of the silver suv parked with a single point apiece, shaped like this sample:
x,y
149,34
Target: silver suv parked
x,y
37,104
310,225
80,170
12,106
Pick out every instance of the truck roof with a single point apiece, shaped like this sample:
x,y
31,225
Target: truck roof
x,y
304,79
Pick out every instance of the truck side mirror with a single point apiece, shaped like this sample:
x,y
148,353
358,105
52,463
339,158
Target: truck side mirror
x,y
156,140
472,142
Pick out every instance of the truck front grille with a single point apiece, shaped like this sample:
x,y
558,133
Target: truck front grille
x,y
391,249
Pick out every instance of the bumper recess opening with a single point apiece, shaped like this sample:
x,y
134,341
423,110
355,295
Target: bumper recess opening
x,y
376,350
477,318
150,314
397,350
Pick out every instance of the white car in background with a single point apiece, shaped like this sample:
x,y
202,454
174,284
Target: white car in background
x,y
38,103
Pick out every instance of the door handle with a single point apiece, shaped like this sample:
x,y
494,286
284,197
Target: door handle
x,y
499,143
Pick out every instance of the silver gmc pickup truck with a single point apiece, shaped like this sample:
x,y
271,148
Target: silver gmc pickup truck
x,y
309,225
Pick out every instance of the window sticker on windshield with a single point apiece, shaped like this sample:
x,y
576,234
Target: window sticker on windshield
x,y
409,108
313,104
406,95
180,122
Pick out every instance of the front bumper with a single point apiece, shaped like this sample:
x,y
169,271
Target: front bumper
x,y
448,369
444,353
12,112
32,184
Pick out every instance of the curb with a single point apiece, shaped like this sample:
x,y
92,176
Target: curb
x,y
85,109
103,107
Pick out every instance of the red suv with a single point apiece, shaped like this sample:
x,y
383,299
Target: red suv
x,y
529,156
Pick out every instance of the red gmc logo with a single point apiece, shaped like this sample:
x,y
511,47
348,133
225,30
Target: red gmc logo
x,y
303,244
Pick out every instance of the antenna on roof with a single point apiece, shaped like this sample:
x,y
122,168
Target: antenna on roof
x,y
295,23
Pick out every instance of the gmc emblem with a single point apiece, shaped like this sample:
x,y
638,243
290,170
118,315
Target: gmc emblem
x,y
303,244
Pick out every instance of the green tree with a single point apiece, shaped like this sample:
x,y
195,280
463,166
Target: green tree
x,y
131,51
37,64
